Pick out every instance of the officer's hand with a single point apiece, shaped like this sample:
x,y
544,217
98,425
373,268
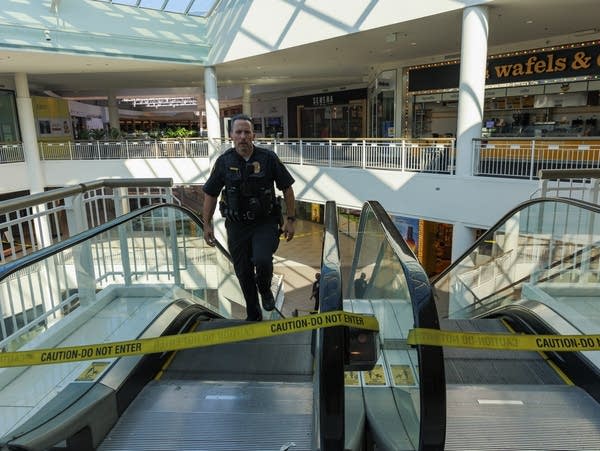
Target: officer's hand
x,y
288,230
209,235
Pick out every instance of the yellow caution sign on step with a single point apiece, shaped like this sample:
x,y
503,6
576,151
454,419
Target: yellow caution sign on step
x,y
250,331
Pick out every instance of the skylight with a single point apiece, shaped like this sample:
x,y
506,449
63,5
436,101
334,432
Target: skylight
x,y
190,7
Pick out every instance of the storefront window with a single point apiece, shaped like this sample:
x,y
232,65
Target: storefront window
x,y
545,102
333,121
9,128
382,105
274,127
537,111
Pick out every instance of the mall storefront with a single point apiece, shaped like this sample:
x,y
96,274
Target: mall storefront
x,y
340,114
9,124
531,94
549,92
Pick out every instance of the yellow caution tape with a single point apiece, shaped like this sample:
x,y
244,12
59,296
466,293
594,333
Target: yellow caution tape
x,y
433,337
249,331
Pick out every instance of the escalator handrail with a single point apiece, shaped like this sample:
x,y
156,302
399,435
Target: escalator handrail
x,y
16,265
431,361
522,206
331,401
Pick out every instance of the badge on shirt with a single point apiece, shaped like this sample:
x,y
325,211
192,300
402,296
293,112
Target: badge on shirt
x,y
233,168
256,166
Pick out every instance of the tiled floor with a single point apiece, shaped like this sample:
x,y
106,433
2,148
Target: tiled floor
x,y
298,261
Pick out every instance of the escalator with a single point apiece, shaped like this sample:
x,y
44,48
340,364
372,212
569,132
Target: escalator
x,y
252,395
535,272
149,274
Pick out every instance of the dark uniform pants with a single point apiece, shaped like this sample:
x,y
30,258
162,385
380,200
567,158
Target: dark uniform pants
x,y
252,246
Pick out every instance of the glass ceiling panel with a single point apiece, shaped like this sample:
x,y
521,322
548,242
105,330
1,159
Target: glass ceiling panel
x,y
152,4
190,7
177,6
201,7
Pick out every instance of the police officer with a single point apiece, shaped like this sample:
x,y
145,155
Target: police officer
x,y
246,175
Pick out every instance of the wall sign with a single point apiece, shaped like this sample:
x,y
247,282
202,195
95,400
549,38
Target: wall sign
x,y
322,100
564,62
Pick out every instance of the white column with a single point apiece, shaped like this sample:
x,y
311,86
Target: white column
x,y
213,126
246,104
507,273
462,238
113,112
82,254
29,135
121,200
473,57
37,180
213,129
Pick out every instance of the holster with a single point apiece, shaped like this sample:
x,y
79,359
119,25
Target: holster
x,y
278,210
229,213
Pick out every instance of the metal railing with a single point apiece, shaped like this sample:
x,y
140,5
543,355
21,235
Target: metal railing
x,y
124,149
492,157
582,184
11,153
160,245
523,158
435,155
33,222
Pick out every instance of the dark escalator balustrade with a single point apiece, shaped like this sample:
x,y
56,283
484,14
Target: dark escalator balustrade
x,y
404,394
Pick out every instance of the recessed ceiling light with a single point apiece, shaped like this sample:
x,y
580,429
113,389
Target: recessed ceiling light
x,y
529,21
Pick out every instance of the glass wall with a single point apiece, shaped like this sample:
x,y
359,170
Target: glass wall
x,y
9,125
382,105
333,121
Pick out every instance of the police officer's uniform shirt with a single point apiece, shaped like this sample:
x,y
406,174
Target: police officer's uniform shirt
x,y
262,170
